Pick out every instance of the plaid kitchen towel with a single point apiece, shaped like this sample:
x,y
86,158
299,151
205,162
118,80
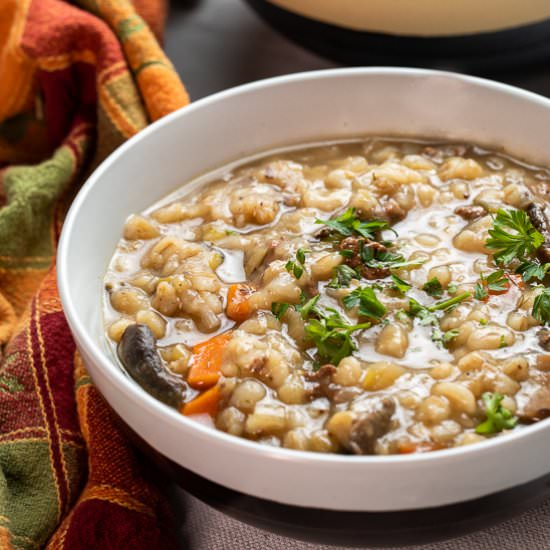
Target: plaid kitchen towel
x,y
75,82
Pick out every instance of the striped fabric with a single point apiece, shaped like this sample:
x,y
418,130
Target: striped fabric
x,y
75,82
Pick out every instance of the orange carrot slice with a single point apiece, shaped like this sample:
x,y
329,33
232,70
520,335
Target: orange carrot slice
x,y
207,361
238,307
409,447
206,403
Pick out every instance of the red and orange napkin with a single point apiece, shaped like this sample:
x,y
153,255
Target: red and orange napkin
x,y
75,82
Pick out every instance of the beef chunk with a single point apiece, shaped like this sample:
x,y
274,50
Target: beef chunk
x,y
370,426
354,244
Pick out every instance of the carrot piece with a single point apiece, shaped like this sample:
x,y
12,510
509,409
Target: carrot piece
x,y
207,361
503,291
409,447
238,307
205,403
516,280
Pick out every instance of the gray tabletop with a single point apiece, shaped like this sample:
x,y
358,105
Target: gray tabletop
x,y
216,44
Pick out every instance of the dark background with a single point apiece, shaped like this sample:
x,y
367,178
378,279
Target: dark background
x,y
216,44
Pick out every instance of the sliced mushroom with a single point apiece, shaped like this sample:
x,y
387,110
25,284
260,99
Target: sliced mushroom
x,y
470,211
537,407
539,219
138,354
543,336
370,425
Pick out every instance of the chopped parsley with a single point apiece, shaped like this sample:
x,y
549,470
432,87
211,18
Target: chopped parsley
x,y
426,316
297,267
498,417
513,236
399,284
326,328
443,338
452,288
343,274
348,224
308,307
332,336
433,288
495,283
383,259
279,309
369,305
541,307
533,270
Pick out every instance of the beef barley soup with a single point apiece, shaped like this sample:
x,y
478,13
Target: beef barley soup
x,y
367,297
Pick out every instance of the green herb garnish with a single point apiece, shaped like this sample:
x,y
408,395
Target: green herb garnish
x,y
443,338
399,284
541,307
498,417
495,282
426,316
533,270
297,267
369,305
279,309
343,274
384,259
513,236
332,336
433,288
348,224
308,307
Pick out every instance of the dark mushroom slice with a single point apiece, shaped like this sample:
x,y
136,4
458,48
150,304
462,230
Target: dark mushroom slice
x,y
470,212
138,353
370,425
537,406
543,336
539,219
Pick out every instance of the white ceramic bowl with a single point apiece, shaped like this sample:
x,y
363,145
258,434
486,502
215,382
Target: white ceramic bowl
x,y
260,116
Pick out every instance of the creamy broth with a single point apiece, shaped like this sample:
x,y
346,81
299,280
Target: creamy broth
x,y
234,284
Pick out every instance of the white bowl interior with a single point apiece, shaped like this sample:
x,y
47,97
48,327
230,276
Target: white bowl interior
x,y
261,116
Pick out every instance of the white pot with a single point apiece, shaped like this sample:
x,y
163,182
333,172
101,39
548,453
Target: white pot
x,y
256,117
422,17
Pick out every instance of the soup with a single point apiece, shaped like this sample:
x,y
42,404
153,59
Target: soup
x,y
369,297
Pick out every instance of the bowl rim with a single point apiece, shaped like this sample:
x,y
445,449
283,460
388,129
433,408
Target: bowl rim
x,y
124,383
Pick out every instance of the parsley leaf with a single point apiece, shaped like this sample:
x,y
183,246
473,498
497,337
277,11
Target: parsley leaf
x,y
332,335
384,259
365,298
279,309
498,417
427,317
348,224
297,267
343,274
399,284
541,307
533,270
443,338
332,338
512,236
433,288
495,283
308,307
